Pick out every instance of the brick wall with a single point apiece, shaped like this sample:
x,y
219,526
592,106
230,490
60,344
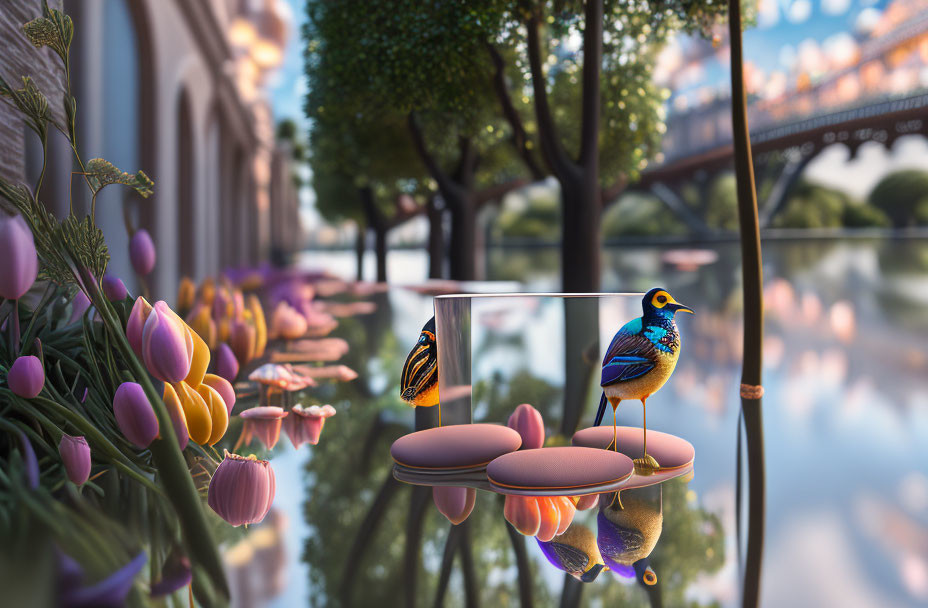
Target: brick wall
x,y
17,59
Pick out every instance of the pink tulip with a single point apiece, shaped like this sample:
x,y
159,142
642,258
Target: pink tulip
x,y
540,516
527,421
167,346
141,310
287,322
79,306
114,289
226,363
176,573
242,340
242,489
304,425
26,377
453,502
142,252
20,262
265,422
134,415
223,387
75,454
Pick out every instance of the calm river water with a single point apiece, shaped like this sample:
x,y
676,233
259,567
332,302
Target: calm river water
x,y
846,432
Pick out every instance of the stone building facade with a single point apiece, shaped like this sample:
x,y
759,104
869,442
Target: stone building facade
x,y
173,87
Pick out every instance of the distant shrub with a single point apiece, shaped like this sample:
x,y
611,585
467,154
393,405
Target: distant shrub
x,y
865,215
903,196
640,215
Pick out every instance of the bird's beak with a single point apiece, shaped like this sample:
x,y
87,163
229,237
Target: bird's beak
x,y
677,307
590,575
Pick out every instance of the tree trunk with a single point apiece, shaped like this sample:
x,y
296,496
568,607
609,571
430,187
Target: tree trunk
x,y
580,240
463,239
360,244
380,247
436,239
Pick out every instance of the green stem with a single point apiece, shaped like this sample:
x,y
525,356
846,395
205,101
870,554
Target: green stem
x,y
170,462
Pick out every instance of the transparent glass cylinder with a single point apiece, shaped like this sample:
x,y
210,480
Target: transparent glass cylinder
x,y
497,351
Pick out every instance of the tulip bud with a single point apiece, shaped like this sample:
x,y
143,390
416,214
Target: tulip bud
x,y
207,291
20,262
587,502
257,315
541,516
114,289
196,412
199,362
226,363
242,489
202,323
79,306
527,421
265,422
242,339
223,387
75,454
176,412
287,322
142,252
186,294
304,425
218,413
136,324
26,377
453,502
167,344
134,415
176,573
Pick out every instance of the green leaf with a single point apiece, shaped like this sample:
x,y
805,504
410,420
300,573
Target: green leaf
x,y
30,101
86,244
102,173
54,30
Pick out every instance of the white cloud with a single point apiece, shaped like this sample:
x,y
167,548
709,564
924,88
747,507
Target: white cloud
x,y
799,11
835,7
768,13
867,20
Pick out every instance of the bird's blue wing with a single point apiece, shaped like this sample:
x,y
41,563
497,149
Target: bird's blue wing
x,y
631,354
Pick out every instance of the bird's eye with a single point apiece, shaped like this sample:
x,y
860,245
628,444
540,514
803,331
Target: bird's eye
x,y
662,299
650,578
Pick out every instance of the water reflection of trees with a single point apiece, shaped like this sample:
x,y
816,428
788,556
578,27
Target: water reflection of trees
x,y
362,521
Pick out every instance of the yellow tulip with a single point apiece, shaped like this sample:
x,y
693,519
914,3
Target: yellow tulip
x,y
200,361
224,326
201,322
257,314
186,293
207,292
197,412
217,410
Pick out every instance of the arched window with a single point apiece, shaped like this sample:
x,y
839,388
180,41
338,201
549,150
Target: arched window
x,y
186,245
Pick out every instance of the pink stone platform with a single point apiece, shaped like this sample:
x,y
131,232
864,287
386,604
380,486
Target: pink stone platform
x,y
674,454
458,451
560,471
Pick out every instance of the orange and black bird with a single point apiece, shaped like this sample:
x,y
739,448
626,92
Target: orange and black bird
x,y
419,383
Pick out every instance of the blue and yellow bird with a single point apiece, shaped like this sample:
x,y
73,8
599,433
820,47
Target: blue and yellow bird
x,y
575,552
419,382
640,359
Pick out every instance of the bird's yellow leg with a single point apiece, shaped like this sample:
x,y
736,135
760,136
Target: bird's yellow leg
x,y
614,402
646,465
616,498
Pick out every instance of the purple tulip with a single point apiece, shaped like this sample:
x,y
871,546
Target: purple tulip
x,y
226,363
134,415
114,289
527,421
167,346
136,324
75,453
242,489
304,425
453,502
175,574
26,377
20,261
111,592
142,252
79,306
264,422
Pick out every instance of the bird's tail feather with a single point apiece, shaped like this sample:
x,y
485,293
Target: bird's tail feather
x,y
601,411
